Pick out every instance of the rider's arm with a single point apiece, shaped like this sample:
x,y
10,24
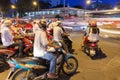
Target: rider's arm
x,y
53,45
63,32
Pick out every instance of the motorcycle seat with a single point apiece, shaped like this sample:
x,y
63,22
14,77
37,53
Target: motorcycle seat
x,y
93,42
32,60
3,47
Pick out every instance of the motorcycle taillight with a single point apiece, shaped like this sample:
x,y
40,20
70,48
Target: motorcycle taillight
x,y
93,45
13,49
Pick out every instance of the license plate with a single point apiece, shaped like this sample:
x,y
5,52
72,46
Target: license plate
x,y
92,52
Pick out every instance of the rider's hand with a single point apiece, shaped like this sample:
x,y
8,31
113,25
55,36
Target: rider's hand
x,y
56,47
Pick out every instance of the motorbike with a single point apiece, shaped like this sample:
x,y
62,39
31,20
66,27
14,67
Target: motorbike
x,y
31,67
28,45
68,42
90,48
6,53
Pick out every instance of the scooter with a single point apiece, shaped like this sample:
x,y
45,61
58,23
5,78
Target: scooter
x,y
31,67
6,53
90,48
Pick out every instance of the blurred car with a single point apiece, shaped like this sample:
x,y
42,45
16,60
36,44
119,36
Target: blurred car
x,y
25,24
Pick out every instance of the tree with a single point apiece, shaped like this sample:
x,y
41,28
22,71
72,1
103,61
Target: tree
x,y
24,6
5,6
78,6
59,5
44,4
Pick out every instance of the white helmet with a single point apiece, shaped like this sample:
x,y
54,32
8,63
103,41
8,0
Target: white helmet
x,y
7,23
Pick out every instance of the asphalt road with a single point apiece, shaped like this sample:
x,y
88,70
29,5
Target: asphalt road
x,y
103,68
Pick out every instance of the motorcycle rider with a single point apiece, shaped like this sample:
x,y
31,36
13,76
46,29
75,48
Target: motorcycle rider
x,y
67,41
91,29
40,50
58,33
7,37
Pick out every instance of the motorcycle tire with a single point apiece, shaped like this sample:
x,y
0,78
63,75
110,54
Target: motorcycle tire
x,y
3,66
70,66
20,75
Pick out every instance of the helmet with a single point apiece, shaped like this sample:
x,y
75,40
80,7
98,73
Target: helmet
x,y
59,22
43,21
7,22
2,21
93,23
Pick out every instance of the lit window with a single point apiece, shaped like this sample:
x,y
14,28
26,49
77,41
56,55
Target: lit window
x,y
48,12
53,12
58,11
43,12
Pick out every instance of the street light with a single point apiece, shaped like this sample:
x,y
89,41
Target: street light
x,y
115,8
13,7
64,8
87,3
36,4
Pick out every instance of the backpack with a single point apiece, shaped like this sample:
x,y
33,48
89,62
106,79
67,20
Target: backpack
x,y
93,35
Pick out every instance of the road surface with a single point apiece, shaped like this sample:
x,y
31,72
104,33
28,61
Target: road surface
x,y
103,68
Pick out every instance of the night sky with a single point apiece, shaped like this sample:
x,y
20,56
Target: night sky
x,y
80,2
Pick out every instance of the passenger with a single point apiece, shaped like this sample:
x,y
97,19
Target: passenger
x,y
94,31
91,33
58,33
52,25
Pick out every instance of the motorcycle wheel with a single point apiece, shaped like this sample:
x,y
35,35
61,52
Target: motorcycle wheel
x,y
70,66
20,75
3,66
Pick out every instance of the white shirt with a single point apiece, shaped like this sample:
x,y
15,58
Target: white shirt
x,y
52,25
57,33
35,27
40,43
1,27
6,36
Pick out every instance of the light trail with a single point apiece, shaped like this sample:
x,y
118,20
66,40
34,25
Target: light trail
x,y
110,31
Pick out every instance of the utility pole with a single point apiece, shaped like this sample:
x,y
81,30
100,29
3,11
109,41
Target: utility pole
x,y
64,8
87,2
97,4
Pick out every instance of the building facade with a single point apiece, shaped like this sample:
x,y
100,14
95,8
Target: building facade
x,y
63,12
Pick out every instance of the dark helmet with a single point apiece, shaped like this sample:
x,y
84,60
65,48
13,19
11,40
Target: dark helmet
x,y
43,26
